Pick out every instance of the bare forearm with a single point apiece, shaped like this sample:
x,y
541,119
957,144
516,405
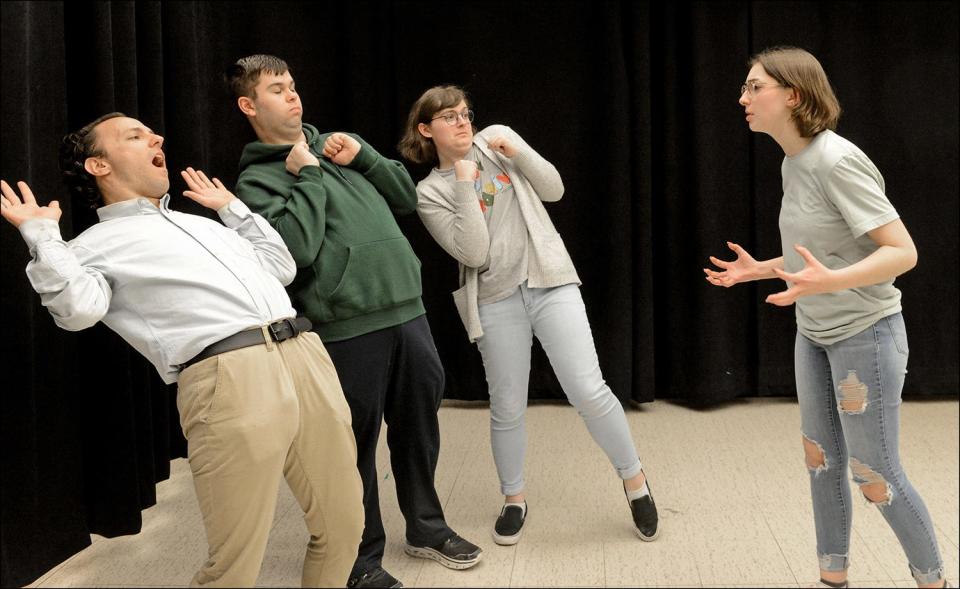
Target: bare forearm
x,y
765,268
886,263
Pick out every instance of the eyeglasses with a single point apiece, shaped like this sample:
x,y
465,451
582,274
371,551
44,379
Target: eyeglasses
x,y
753,87
452,118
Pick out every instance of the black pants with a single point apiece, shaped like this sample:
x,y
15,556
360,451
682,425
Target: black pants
x,y
395,375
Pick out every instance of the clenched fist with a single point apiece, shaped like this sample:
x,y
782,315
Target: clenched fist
x,y
341,148
465,169
299,157
503,145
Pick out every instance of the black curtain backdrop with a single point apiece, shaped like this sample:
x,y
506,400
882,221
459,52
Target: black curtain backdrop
x,y
635,104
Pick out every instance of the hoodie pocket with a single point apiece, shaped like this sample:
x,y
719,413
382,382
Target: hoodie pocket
x,y
378,275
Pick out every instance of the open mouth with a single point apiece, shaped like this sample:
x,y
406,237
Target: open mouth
x,y
159,161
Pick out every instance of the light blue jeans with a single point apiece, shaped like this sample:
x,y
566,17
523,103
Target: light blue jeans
x,y
849,395
558,318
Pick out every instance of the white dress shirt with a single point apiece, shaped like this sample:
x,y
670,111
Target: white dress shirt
x,y
168,283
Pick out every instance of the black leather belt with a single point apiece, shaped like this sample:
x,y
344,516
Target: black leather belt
x,y
278,330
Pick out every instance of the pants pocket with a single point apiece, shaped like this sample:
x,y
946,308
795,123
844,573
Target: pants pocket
x,y
898,332
197,392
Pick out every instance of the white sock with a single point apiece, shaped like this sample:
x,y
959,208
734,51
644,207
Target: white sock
x,y
522,504
638,493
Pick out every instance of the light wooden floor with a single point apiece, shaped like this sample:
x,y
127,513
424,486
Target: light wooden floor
x,y
730,484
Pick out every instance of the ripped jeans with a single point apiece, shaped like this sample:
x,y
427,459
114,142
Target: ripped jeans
x,y
849,394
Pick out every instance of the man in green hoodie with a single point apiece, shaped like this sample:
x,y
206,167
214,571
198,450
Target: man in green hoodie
x,y
332,198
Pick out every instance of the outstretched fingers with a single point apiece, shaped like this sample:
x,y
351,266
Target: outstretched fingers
x,y
782,298
206,181
8,196
720,263
784,275
737,249
27,194
196,180
190,177
808,257
718,278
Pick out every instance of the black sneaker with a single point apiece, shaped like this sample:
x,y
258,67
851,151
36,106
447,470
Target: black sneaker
x,y
645,519
453,553
509,526
375,577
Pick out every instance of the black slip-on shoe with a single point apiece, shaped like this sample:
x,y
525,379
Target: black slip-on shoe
x,y
509,526
646,522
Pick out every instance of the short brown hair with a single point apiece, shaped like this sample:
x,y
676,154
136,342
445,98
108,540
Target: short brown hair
x,y
414,146
795,68
75,148
242,76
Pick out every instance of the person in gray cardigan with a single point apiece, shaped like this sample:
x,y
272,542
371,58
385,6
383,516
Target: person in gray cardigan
x,y
483,204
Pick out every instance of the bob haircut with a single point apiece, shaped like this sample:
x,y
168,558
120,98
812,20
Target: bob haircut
x,y
795,68
415,147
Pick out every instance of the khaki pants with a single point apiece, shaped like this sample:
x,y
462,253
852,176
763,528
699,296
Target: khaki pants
x,y
251,415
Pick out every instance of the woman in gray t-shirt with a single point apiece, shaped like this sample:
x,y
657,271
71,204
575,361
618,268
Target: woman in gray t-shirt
x,y
843,245
483,203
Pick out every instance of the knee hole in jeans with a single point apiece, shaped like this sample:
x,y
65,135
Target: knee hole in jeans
x,y
815,457
872,484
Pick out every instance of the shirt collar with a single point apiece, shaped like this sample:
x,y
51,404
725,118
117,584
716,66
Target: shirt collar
x,y
129,208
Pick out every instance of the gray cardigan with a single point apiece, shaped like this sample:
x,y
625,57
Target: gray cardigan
x,y
453,217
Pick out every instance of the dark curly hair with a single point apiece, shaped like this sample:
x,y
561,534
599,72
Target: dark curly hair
x,y
75,148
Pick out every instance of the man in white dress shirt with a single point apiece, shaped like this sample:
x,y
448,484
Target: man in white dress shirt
x,y
258,395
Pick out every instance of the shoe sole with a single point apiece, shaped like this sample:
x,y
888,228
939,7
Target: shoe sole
x,y
507,540
646,538
432,554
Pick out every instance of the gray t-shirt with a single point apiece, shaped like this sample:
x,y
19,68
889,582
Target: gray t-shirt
x,y
506,266
832,196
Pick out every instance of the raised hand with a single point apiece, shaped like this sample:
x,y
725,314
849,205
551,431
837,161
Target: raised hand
x,y
502,145
17,211
341,148
212,195
814,278
465,169
743,269
299,157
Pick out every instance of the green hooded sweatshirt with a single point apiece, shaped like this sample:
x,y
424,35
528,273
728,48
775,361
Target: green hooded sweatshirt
x,y
356,272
